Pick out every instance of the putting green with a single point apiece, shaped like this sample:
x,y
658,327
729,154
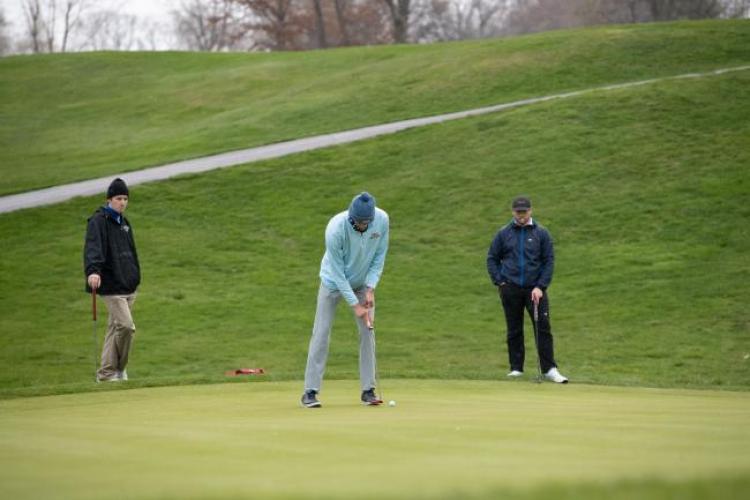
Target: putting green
x,y
444,438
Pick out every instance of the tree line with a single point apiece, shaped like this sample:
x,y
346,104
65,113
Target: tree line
x,y
262,25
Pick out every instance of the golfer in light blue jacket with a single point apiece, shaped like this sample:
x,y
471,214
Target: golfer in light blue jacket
x,y
356,246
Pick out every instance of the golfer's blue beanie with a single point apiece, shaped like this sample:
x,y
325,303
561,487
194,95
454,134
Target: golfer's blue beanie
x,y
362,207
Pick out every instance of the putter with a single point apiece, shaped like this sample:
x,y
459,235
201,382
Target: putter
x,y
93,336
371,327
540,377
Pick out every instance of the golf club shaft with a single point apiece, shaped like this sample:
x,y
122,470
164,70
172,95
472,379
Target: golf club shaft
x,y
93,335
536,338
375,355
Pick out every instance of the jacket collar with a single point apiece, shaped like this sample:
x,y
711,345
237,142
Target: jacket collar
x,y
531,223
113,214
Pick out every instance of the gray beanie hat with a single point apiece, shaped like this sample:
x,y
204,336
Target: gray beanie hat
x,y
362,207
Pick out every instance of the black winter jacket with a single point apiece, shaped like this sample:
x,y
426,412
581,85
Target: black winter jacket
x,y
522,255
110,252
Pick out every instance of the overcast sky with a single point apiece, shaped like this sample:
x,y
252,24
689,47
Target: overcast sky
x,y
155,10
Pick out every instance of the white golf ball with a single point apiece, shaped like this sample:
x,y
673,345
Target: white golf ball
x,y
391,403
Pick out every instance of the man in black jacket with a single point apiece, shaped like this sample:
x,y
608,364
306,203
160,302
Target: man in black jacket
x,y
111,267
520,262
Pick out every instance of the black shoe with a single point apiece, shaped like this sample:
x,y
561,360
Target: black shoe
x,y
309,400
369,398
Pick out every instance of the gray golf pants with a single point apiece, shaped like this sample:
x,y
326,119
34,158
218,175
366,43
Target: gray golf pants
x,y
321,335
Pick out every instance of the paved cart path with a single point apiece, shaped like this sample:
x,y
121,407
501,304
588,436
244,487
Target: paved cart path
x,y
65,192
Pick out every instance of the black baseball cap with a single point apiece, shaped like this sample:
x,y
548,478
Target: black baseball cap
x,y
521,203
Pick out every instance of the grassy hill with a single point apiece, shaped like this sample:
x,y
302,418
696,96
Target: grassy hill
x,y
77,116
644,189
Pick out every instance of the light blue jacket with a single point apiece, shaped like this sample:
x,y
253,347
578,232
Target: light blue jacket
x,y
353,259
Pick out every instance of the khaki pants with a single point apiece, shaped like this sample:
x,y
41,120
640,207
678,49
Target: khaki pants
x,y
119,337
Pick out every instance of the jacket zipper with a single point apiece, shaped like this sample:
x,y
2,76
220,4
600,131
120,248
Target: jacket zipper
x,y
521,256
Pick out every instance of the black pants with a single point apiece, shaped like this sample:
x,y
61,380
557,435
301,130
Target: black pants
x,y
515,299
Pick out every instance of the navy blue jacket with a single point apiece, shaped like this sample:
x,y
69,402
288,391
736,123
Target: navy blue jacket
x,y
110,252
523,256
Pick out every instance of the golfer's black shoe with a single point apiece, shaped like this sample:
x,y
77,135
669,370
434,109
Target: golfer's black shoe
x,y
369,398
309,399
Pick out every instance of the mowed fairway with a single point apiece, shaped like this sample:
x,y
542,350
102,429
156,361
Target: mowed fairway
x,y
453,439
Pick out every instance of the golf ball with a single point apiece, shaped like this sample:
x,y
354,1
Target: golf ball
x,y
391,403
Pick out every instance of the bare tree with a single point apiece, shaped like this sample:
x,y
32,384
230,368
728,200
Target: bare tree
x,y
343,22
631,10
737,8
665,10
49,25
488,12
457,20
154,35
71,20
208,25
271,22
204,25
44,27
398,11
340,6
434,20
320,25
431,20
367,22
540,15
110,30
4,37
32,11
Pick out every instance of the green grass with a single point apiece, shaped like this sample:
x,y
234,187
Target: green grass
x,y
442,440
79,116
644,189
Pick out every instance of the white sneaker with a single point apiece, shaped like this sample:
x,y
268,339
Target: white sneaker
x,y
110,379
555,376
123,375
515,373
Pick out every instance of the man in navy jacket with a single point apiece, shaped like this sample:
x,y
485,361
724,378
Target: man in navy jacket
x,y
520,263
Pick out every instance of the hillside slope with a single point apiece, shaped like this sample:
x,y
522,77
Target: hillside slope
x,y
644,189
78,116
